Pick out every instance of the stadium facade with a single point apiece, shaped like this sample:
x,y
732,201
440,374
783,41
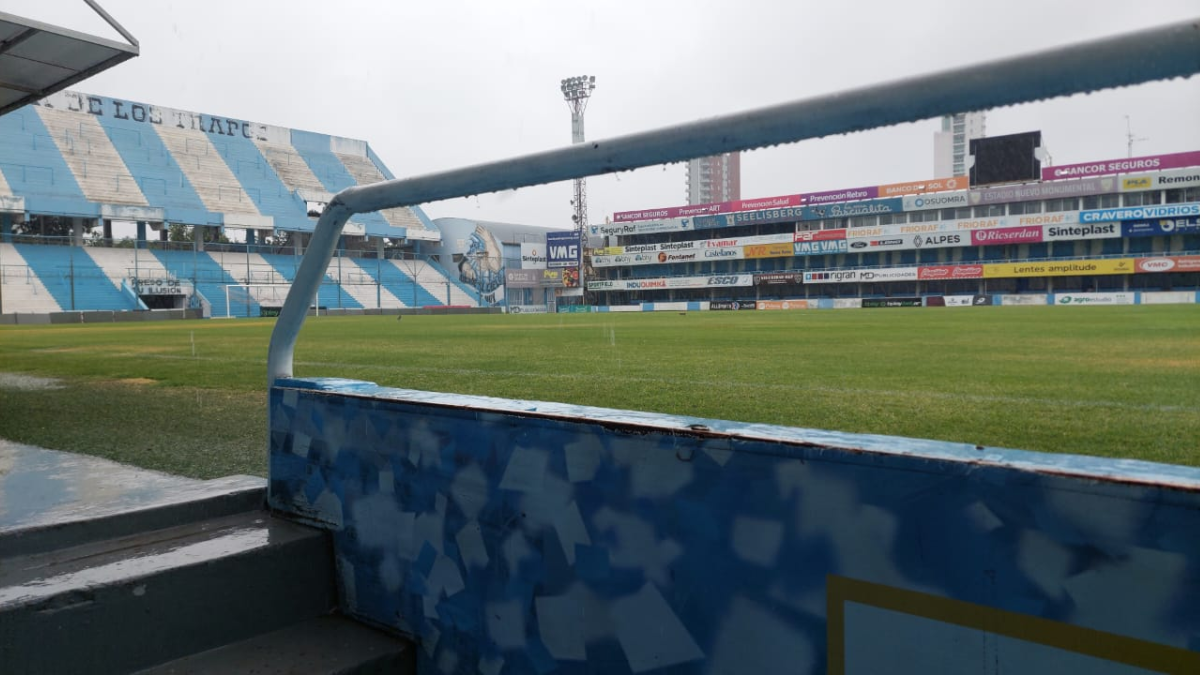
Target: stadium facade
x,y
1120,231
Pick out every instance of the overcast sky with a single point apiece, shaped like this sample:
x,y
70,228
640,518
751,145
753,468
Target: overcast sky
x,y
442,84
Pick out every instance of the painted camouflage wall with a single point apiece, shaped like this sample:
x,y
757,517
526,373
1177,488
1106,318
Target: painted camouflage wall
x,y
526,537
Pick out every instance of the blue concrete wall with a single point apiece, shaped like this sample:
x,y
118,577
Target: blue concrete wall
x,y
526,537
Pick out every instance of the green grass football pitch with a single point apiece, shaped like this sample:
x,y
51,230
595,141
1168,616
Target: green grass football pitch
x,y
190,397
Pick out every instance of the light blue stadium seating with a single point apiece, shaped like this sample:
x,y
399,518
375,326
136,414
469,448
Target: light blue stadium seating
x,y
209,277
330,295
56,266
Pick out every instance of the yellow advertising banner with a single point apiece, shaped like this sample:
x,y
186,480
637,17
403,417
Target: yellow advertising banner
x,y
933,185
611,250
1066,268
783,304
769,251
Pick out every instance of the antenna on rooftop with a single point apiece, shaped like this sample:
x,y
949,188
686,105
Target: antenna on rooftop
x,y
1129,137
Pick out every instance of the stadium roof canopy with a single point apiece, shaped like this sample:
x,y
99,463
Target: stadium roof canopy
x,y
38,59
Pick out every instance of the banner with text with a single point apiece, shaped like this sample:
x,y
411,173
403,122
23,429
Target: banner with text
x,y
562,249
922,186
1094,299
515,278
1132,164
1059,269
778,278
1161,227
1187,263
533,256
715,281
1162,180
1032,191
862,276
1141,212
782,304
947,200
936,272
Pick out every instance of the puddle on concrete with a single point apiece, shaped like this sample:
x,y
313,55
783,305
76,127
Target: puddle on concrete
x,y
19,382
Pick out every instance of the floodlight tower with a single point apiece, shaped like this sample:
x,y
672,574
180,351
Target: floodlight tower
x,y
576,91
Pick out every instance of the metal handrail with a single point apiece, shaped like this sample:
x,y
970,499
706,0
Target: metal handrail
x,y
1154,54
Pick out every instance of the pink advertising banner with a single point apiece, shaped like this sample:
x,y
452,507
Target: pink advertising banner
x,y
1030,234
709,209
851,194
1131,165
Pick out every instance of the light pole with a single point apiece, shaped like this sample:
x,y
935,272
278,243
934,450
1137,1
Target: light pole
x,y
576,91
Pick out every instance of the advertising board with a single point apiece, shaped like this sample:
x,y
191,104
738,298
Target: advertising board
x,y
862,276
820,247
923,186
891,302
1094,298
778,278
1031,191
782,304
770,250
527,309
1168,298
1008,300
945,200
562,249
1075,232
1007,235
934,272
515,278
732,305
1129,165
1183,210
1188,263
533,256
1162,180
1160,227
1059,269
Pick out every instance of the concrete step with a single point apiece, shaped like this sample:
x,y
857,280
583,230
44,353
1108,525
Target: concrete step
x,y
141,509
132,601
329,645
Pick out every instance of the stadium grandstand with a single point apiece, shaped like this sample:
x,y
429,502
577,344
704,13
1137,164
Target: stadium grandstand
x,y
219,211
1122,231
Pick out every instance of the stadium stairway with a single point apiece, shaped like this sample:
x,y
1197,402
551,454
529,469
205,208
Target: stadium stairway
x,y
56,266
210,279
198,578
23,292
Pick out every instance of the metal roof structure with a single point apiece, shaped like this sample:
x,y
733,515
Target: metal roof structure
x,y
38,59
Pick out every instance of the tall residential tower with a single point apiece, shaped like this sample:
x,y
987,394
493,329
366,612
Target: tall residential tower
x,y
715,179
952,144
